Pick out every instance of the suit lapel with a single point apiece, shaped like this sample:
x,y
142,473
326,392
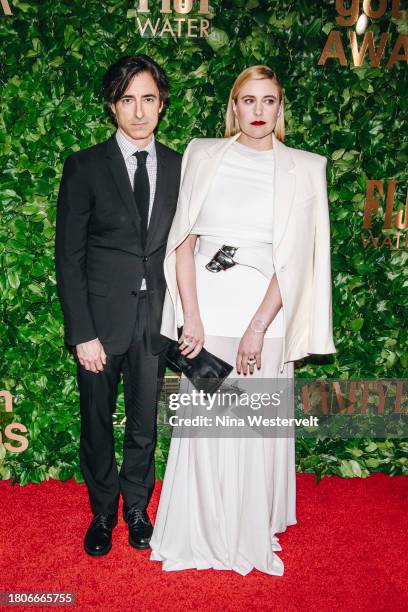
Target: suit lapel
x,y
285,182
207,164
159,197
120,176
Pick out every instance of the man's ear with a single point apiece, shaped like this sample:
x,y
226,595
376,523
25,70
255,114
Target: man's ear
x,y
161,106
112,107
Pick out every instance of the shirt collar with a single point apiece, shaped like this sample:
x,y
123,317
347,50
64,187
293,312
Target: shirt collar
x,y
128,148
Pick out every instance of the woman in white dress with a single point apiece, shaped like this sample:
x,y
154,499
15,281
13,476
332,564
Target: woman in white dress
x,y
224,499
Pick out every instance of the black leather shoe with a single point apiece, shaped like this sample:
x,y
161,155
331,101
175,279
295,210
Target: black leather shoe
x,y
140,527
98,538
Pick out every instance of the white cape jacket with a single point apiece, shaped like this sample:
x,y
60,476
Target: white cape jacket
x,y
301,241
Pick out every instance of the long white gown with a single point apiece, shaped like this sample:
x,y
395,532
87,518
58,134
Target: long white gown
x,y
224,499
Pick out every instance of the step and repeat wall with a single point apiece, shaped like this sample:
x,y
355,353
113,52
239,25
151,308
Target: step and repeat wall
x,y
343,67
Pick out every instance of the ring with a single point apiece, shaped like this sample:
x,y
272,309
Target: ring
x,y
251,360
187,342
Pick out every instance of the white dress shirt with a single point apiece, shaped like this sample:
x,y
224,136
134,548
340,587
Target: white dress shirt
x,y
128,149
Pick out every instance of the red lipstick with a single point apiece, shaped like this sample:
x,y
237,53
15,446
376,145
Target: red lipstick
x,y
258,122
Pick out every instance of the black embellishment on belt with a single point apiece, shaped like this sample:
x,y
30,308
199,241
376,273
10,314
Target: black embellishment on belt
x,y
223,259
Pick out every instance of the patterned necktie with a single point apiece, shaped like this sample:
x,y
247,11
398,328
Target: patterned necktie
x,y
141,192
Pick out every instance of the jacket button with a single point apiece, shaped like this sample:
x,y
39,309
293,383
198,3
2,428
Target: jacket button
x,y
134,293
145,259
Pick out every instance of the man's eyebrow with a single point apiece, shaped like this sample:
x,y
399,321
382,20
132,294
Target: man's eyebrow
x,y
150,95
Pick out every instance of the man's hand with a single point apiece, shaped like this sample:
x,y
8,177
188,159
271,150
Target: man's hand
x,y
91,355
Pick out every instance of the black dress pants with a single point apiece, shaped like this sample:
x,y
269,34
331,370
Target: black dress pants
x,y
143,373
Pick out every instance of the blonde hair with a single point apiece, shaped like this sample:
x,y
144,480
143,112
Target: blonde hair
x,y
254,72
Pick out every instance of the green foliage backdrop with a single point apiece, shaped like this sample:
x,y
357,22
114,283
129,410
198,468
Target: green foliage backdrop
x,y
53,55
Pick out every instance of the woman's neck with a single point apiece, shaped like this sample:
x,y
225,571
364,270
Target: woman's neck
x,y
260,144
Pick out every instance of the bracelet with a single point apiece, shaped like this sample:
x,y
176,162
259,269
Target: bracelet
x,y
260,328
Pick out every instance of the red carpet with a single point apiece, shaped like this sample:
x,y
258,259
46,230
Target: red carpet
x,y
348,552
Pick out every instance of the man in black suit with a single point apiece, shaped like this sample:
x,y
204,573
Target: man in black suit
x,y
115,207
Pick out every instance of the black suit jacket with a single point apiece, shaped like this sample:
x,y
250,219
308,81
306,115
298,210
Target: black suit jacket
x,y
100,262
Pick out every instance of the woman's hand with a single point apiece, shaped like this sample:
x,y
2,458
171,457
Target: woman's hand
x,y
192,339
250,347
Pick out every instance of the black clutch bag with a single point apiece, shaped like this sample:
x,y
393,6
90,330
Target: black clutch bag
x,y
205,371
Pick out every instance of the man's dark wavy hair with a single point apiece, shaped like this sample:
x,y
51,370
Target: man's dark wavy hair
x,y
118,76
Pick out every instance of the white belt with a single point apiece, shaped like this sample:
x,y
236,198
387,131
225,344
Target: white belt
x,y
259,257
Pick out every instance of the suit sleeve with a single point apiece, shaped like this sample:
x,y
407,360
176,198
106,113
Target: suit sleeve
x,y
73,212
321,325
